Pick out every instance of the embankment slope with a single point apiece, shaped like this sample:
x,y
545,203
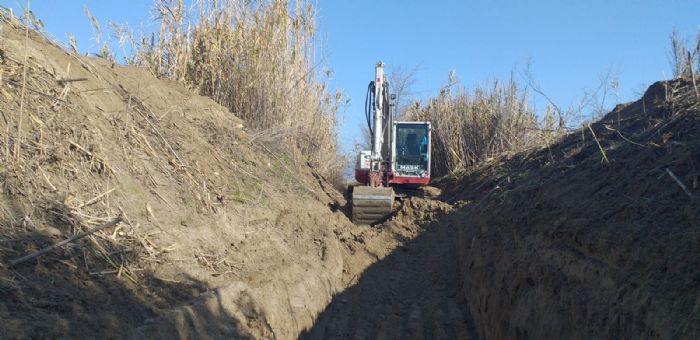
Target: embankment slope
x,y
595,236
223,235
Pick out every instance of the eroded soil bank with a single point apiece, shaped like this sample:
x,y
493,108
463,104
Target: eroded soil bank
x,y
593,236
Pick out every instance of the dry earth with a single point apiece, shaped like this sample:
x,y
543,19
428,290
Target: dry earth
x,y
222,235
225,236
571,242
414,293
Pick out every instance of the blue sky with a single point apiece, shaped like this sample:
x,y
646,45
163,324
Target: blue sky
x,y
569,43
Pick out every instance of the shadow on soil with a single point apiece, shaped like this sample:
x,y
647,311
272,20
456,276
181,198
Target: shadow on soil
x,y
412,293
56,297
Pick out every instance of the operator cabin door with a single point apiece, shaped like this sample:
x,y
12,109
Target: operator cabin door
x,y
412,146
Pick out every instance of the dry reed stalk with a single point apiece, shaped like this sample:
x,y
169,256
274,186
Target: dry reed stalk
x,y
600,147
24,88
680,184
66,241
692,74
256,59
472,126
97,198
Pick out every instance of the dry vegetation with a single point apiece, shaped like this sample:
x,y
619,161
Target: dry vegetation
x,y
684,61
472,126
257,59
40,155
85,142
60,175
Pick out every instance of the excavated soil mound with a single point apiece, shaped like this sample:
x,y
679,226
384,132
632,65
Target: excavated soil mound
x,y
222,236
596,236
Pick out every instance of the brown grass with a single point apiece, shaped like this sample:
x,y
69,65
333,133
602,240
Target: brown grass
x,y
257,59
472,126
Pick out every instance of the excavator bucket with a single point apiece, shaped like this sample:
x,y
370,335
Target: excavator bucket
x,y
370,205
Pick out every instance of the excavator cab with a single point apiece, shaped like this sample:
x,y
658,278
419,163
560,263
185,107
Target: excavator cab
x,y
408,166
411,156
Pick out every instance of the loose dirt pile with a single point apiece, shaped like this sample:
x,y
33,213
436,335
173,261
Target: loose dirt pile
x,y
596,236
222,235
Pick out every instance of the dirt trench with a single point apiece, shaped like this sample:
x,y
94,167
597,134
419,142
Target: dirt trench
x,y
413,293
594,236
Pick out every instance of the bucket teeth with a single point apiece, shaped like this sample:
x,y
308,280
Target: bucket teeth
x,y
371,205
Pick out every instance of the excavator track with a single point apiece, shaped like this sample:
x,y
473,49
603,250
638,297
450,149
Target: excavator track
x,y
371,205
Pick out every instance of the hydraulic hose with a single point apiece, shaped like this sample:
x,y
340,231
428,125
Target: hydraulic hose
x,y
369,104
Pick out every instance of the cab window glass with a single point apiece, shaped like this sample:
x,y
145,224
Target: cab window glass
x,y
411,148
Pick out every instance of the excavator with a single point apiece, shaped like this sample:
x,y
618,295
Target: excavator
x,y
399,159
